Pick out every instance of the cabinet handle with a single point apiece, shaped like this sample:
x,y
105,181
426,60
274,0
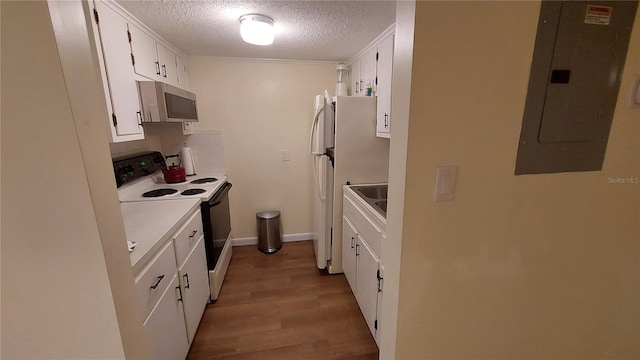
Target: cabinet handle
x,y
353,242
158,282
179,292
157,67
193,234
356,86
380,281
139,118
357,249
164,70
186,276
386,120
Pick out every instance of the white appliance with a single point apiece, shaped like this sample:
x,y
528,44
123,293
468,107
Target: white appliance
x,y
344,148
139,179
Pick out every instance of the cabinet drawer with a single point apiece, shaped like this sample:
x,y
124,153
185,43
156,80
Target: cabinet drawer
x,y
371,233
154,278
186,238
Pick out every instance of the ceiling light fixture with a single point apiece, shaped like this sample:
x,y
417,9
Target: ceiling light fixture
x,y
257,29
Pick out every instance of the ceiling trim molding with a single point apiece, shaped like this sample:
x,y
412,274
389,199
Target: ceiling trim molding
x,y
223,58
390,30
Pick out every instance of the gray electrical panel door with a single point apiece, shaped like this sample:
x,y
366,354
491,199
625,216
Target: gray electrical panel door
x,y
575,76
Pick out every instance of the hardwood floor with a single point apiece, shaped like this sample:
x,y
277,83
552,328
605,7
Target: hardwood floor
x,y
281,306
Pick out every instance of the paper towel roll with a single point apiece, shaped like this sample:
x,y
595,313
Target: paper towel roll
x,y
187,161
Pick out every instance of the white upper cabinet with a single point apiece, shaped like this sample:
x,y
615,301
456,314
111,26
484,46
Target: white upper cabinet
x,y
384,70
375,68
354,72
368,72
152,59
183,79
144,53
363,73
127,53
168,65
121,92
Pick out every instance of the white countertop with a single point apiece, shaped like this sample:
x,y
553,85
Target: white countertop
x,y
152,223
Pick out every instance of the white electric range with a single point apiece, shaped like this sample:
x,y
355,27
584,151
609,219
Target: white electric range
x,y
139,178
153,187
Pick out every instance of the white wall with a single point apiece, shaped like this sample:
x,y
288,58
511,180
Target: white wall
x,y
392,246
516,267
262,108
57,301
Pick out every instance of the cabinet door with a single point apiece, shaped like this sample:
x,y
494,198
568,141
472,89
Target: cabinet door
x,y
354,76
367,283
379,303
125,114
383,89
168,67
194,280
349,238
165,326
183,78
368,70
143,48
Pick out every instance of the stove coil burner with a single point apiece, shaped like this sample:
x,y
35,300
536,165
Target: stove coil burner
x,y
159,192
193,191
204,180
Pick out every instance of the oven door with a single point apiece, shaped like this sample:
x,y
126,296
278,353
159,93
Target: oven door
x,y
216,223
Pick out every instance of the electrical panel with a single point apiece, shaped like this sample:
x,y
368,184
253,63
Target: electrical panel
x,y
577,65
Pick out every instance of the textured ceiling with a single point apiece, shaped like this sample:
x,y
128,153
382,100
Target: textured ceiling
x,y
305,30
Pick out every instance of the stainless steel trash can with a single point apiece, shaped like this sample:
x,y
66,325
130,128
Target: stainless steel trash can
x,y
269,232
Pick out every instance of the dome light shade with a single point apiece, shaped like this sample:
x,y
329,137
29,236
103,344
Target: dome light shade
x,y
256,29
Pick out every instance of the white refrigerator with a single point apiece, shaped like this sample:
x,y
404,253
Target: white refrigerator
x,y
344,148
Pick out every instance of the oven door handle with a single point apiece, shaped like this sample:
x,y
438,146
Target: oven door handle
x,y
220,194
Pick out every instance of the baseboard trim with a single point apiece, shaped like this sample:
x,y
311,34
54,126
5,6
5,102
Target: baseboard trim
x,y
285,238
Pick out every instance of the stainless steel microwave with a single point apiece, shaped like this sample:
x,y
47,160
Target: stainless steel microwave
x,y
165,103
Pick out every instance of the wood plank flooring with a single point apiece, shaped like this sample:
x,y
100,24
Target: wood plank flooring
x,y
280,306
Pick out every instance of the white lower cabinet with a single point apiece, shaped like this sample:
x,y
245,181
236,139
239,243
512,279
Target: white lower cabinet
x,y
367,283
174,290
361,237
165,326
194,282
349,239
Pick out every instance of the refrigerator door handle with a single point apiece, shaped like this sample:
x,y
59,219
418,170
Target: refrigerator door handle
x,y
318,176
315,126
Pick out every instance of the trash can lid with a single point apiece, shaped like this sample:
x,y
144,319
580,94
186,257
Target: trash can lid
x,y
268,214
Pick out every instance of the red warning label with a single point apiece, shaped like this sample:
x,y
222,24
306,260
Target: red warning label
x,y
598,15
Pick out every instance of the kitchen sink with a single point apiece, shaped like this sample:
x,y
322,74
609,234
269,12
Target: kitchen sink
x,y
382,204
374,195
372,192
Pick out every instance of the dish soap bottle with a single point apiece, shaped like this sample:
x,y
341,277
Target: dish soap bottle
x,y
369,89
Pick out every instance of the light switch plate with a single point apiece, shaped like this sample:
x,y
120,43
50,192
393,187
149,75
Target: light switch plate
x,y
284,155
445,183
